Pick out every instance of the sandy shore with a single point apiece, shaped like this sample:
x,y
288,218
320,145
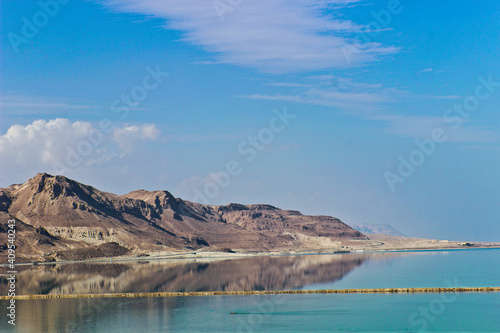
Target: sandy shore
x,y
397,243
376,243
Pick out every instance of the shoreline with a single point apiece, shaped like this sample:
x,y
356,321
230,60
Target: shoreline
x,y
218,255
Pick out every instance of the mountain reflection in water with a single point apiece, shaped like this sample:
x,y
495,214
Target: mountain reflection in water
x,y
249,273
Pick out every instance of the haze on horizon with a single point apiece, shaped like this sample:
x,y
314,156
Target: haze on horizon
x,y
370,111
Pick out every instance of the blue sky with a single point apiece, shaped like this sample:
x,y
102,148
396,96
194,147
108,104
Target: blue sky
x,y
366,84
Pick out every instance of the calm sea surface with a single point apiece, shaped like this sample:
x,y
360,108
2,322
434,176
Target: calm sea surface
x,y
461,312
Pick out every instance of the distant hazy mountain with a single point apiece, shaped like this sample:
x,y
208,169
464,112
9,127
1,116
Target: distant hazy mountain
x,y
59,218
385,229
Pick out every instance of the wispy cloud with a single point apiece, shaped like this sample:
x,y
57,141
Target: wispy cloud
x,y
38,104
375,102
344,94
288,84
421,127
272,36
446,97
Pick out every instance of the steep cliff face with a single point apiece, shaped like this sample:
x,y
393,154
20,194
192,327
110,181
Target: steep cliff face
x,y
70,210
59,201
156,220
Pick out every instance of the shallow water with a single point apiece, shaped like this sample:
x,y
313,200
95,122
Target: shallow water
x,y
468,268
466,312
470,312
456,268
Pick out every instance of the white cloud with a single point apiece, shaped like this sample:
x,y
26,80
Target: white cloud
x,y
59,144
273,36
128,136
344,94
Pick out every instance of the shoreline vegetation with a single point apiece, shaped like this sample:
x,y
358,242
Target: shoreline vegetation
x,y
263,292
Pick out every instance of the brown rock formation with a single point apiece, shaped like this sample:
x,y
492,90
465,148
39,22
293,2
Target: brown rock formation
x,y
70,216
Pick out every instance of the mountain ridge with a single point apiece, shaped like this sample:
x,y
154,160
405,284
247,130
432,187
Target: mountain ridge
x,y
378,229
80,217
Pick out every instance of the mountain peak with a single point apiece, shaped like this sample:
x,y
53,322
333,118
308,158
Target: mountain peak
x,y
155,220
55,186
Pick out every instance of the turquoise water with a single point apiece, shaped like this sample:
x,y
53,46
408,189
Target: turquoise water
x,y
272,313
450,312
456,268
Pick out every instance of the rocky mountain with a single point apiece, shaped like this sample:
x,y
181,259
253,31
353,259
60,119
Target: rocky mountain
x,y
384,229
59,218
